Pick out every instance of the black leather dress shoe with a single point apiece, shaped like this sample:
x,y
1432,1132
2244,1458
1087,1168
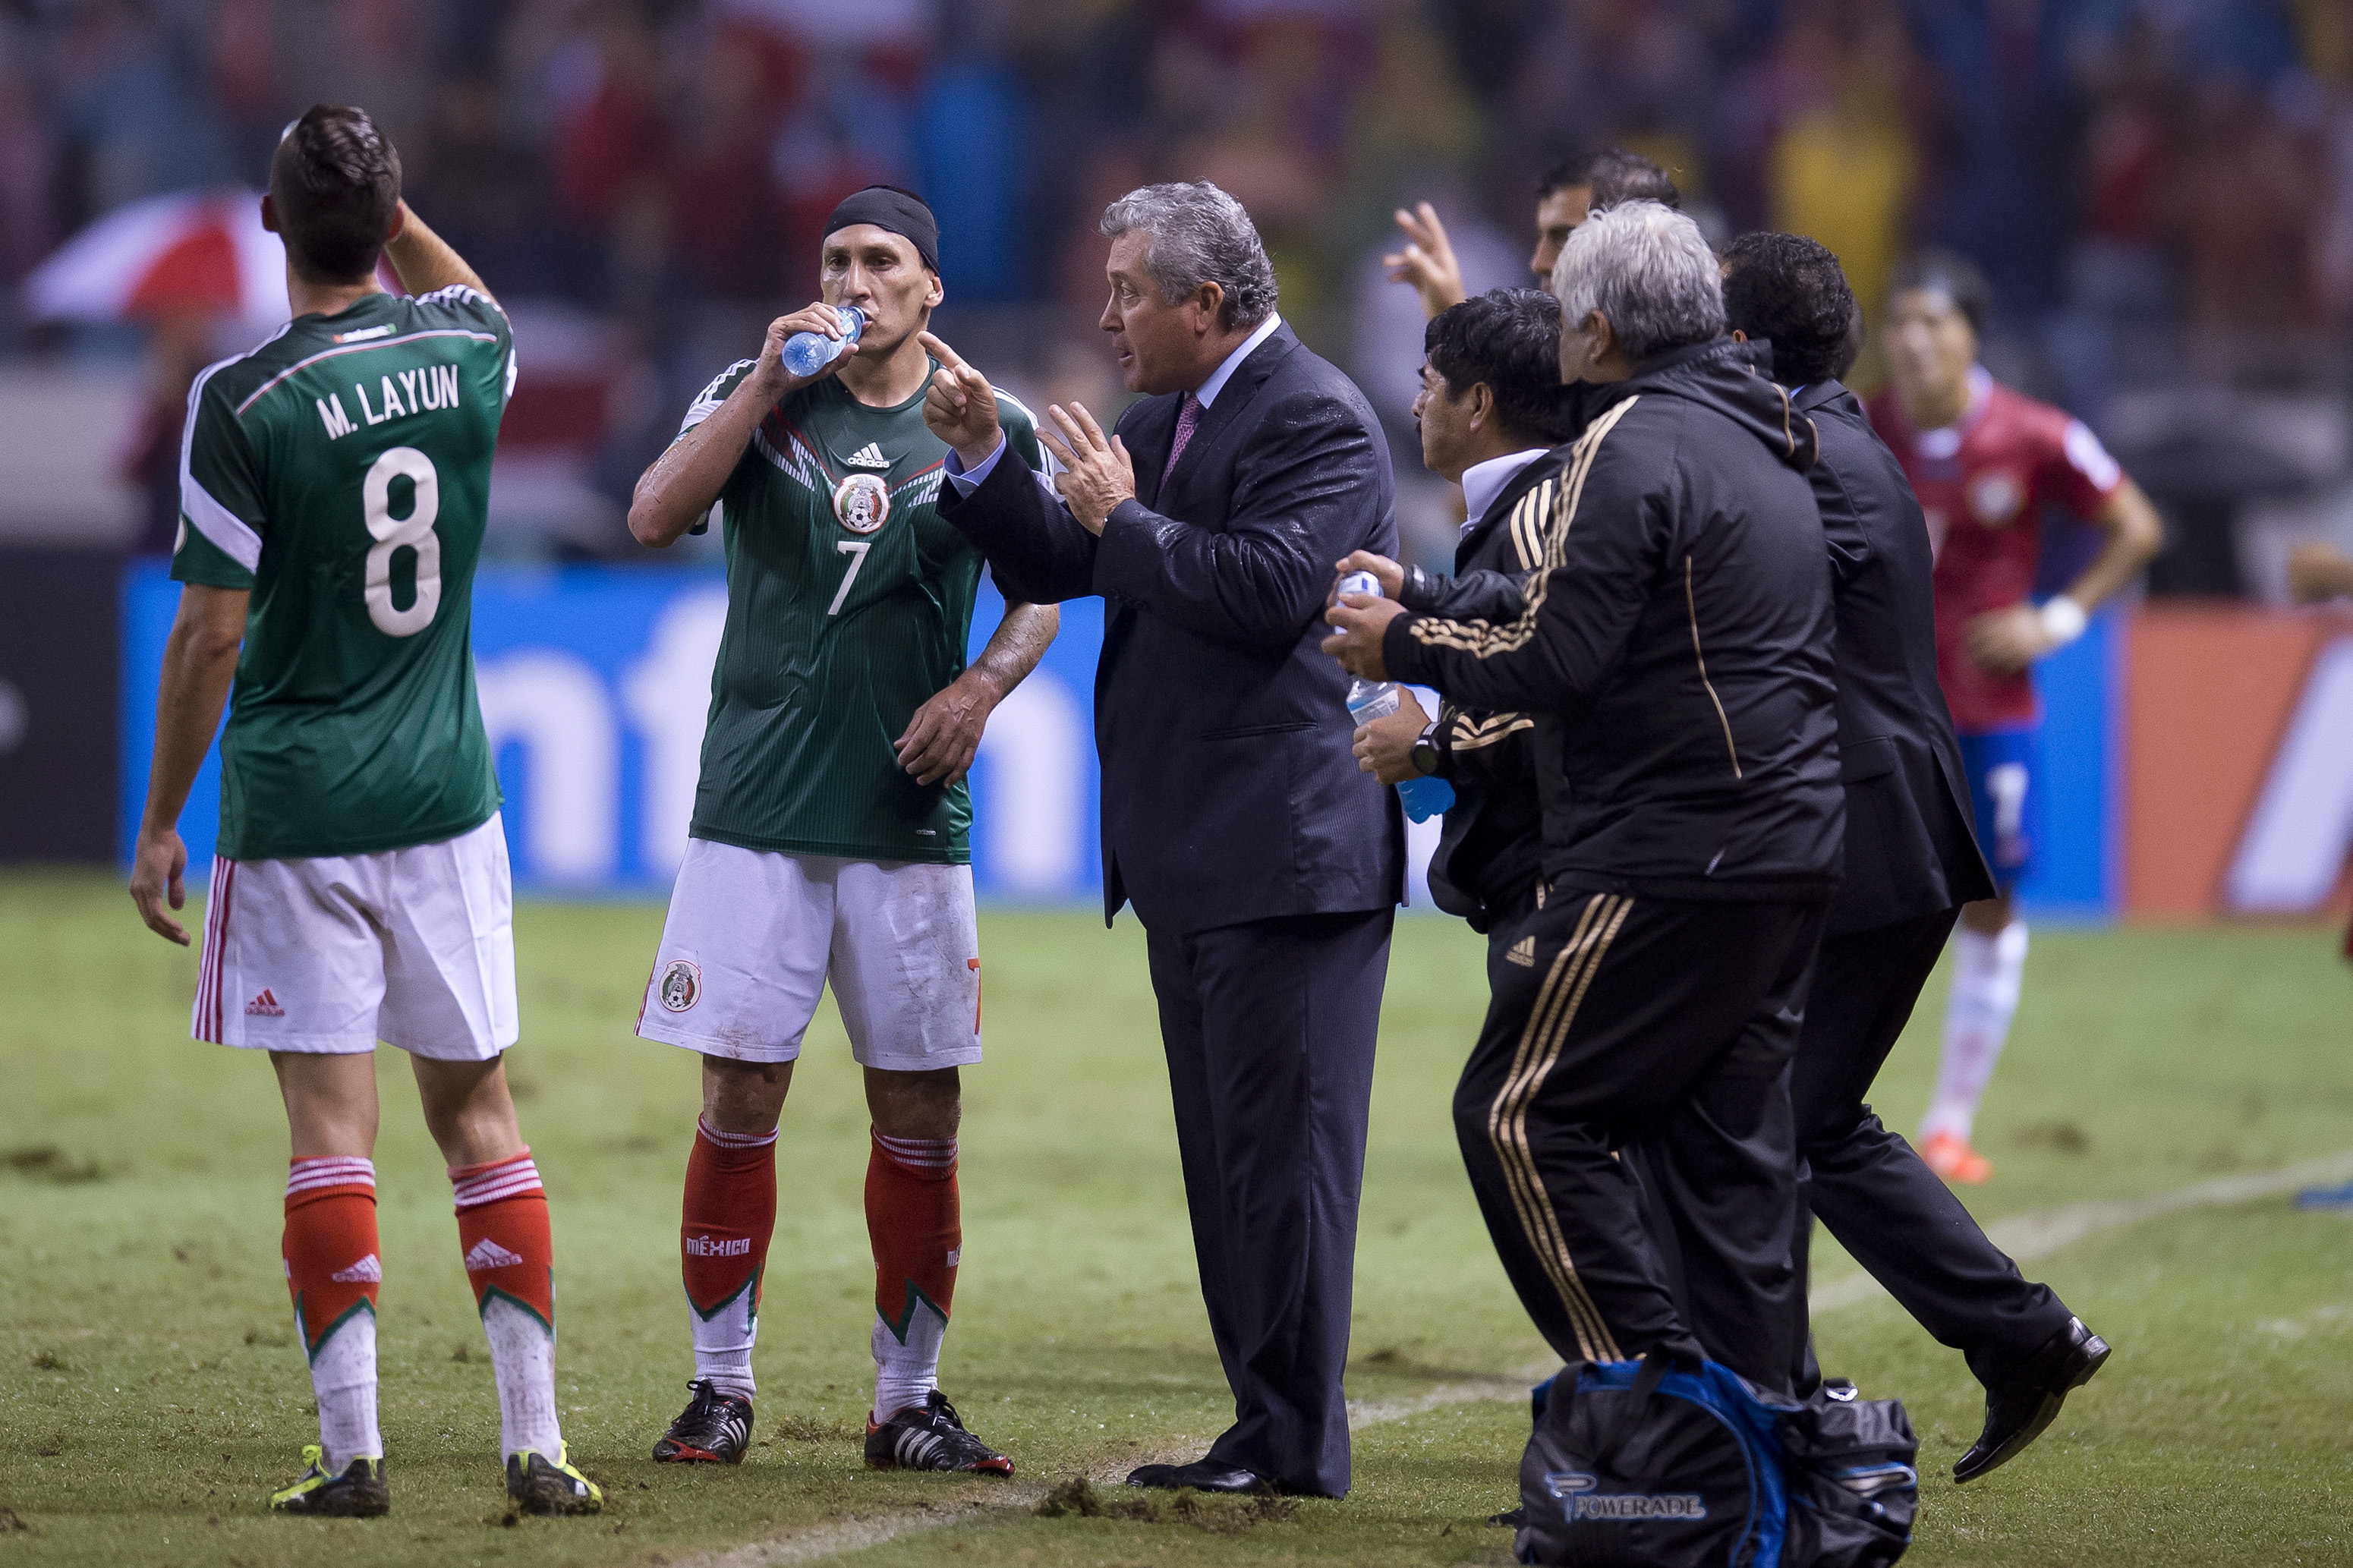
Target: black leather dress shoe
x,y
1201,1475
2023,1404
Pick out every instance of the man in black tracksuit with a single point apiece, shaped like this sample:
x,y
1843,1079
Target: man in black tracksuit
x,y
1489,414
1676,654
1910,863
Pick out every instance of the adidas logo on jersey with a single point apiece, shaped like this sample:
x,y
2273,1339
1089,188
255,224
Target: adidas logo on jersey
x,y
489,1254
366,1271
264,1007
870,456
1522,953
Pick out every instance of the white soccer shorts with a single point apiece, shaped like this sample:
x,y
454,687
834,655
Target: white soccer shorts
x,y
413,947
753,938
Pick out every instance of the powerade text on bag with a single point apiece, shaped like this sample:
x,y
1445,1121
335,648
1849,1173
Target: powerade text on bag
x,y
1639,1464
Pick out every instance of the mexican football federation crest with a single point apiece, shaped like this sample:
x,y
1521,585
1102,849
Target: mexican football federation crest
x,y
681,985
863,501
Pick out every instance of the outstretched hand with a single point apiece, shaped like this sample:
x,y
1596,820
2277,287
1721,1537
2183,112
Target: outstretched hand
x,y
1427,262
960,407
1097,474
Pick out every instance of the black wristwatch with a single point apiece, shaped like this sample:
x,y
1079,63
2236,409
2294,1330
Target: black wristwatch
x,y
1425,754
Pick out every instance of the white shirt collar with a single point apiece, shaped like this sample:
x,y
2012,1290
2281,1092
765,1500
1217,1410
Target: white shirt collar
x,y
1208,391
1483,482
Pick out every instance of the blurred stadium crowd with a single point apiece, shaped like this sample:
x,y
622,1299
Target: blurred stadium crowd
x,y
2161,190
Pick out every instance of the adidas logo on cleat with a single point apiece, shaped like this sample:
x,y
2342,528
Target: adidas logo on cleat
x,y
1522,953
366,1271
264,1007
489,1254
870,456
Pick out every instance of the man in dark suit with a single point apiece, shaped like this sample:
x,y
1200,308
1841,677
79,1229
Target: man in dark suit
x,y
1265,868
1910,863
1490,416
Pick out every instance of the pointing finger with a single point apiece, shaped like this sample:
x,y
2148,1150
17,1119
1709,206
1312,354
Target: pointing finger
x,y
941,352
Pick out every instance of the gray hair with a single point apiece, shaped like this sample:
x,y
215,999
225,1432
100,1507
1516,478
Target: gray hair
x,y
1199,234
1648,272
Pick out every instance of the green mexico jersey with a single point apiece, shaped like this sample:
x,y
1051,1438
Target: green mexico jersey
x,y
342,472
848,606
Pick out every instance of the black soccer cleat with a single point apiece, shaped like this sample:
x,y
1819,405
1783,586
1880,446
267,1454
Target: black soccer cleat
x,y
2021,1404
928,1437
714,1429
551,1487
358,1493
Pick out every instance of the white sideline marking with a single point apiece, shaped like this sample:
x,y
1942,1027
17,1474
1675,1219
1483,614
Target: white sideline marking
x,y
2027,1237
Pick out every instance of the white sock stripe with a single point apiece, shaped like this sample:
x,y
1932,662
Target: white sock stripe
x,y
476,1191
309,1174
933,1153
734,1140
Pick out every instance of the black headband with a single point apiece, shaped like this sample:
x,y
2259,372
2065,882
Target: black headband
x,y
898,212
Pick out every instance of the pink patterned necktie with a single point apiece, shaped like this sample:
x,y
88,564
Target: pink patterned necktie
x,y
1189,416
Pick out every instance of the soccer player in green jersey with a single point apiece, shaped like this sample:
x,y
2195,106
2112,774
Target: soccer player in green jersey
x,y
332,487
830,833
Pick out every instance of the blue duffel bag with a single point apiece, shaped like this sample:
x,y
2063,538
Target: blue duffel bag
x,y
1644,1465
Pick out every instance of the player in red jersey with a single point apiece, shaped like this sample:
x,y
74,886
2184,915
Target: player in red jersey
x,y
1985,461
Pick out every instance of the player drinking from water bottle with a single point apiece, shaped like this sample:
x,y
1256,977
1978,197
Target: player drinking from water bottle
x,y
1985,460
334,485
829,833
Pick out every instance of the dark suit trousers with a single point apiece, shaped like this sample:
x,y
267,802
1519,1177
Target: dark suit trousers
x,y
1269,1027
1886,1208
1669,1025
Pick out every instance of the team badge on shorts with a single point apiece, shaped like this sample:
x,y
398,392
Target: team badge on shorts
x,y
863,501
681,985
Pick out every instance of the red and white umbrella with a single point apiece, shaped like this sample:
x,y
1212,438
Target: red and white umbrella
x,y
189,252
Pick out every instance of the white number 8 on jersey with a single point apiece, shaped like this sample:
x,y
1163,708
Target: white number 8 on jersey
x,y
391,533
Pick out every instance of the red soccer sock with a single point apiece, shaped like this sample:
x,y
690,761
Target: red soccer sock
x,y
510,1264
725,1225
333,1272
914,1220
330,1246
502,1226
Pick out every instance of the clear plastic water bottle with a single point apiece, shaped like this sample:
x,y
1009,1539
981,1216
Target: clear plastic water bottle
x,y
1424,795
806,353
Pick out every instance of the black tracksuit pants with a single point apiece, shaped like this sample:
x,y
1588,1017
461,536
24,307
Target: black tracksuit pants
x,y
1893,1214
1616,1019
1269,1028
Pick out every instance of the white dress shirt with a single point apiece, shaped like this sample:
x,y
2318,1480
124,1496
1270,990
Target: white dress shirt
x,y
967,480
1483,482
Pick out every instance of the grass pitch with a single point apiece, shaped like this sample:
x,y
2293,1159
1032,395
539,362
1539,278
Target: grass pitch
x,y
151,1394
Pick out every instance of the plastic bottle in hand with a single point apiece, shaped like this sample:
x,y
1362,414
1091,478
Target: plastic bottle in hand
x,y
806,353
1423,795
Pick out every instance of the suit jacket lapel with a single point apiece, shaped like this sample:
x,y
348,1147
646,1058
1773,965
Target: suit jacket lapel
x,y
1148,444
1239,388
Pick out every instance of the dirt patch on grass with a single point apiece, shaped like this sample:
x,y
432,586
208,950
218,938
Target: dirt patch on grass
x,y
1220,1512
47,1162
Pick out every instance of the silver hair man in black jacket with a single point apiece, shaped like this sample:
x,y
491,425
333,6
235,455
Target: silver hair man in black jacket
x,y
1677,653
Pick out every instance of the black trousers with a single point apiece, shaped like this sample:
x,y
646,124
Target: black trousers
x,y
1269,1028
1893,1214
1617,1022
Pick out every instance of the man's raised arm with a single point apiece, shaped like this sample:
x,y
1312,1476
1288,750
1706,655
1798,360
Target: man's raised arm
x,y
676,491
